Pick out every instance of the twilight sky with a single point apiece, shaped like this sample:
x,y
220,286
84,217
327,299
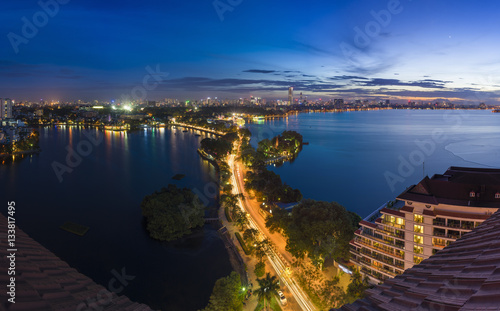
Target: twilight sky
x,y
152,49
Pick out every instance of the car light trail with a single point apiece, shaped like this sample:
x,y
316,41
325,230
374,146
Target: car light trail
x,y
274,258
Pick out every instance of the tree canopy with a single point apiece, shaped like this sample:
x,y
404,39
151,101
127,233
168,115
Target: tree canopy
x,y
227,294
268,287
172,212
219,148
315,229
270,188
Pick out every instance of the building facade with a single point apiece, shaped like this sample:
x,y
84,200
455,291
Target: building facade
x,y
290,95
423,220
6,108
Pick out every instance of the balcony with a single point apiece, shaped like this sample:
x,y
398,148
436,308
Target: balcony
x,y
400,235
439,223
392,224
382,249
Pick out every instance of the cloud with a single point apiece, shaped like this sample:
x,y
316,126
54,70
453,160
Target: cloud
x,y
345,77
259,71
427,83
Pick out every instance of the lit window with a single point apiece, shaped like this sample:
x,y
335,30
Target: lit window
x,y
497,195
418,249
417,259
400,221
418,218
418,229
418,239
472,194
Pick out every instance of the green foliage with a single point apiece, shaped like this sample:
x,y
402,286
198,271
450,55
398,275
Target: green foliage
x,y
250,234
355,219
260,249
288,143
226,212
269,187
242,243
268,288
278,221
356,289
315,229
219,148
230,137
245,133
172,212
260,269
239,217
227,294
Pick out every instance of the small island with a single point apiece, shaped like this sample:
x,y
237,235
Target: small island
x,y
172,213
178,176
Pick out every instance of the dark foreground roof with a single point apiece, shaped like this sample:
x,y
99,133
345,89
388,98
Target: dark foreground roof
x,y
455,186
463,276
44,282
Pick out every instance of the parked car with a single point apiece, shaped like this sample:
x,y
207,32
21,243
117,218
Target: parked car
x,y
282,298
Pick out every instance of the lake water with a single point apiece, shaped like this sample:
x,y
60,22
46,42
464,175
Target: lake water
x,y
363,159
352,158
104,192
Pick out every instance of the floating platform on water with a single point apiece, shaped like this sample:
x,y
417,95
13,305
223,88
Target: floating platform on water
x,y
75,228
178,176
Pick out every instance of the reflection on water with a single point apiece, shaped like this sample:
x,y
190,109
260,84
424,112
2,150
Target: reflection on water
x,y
349,153
104,192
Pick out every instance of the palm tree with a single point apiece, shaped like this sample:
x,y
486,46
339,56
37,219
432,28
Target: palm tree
x,y
268,287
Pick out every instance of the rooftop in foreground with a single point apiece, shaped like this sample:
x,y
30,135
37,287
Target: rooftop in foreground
x,y
463,276
44,282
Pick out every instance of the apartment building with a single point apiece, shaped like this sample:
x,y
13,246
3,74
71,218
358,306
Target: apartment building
x,y
424,219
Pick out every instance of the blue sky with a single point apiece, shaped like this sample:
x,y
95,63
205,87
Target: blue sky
x,y
414,49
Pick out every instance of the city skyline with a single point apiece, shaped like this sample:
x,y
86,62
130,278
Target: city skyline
x,y
397,50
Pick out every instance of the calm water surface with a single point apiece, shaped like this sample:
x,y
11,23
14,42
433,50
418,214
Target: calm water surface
x,y
104,192
351,156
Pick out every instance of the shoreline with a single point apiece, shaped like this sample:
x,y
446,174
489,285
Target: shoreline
x,y
237,262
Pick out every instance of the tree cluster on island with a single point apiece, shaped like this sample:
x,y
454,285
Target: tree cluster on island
x,y
172,213
288,143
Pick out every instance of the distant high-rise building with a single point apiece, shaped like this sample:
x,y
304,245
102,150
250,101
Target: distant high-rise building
x,y
300,97
290,95
338,103
6,108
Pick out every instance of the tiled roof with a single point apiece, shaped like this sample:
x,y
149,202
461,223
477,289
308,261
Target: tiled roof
x,y
44,282
454,187
392,212
463,276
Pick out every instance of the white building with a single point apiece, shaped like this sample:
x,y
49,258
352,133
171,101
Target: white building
x,y
426,218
